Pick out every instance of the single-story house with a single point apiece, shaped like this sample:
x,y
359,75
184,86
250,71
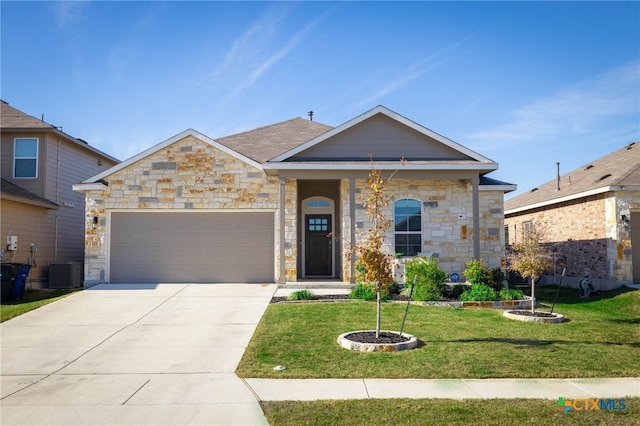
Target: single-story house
x,y
590,217
40,211
284,203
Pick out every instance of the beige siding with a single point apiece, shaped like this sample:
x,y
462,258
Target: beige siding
x,y
69,164
58,234
33,185
32,225
384,138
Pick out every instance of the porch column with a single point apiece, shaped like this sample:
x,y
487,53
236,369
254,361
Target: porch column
x,y
282,278
475,182
352,226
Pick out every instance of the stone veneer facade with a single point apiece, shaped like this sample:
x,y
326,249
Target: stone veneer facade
x,y
192,175
447,220
188,174
584,230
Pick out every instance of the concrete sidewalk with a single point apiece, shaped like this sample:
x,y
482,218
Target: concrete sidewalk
x,y
314,389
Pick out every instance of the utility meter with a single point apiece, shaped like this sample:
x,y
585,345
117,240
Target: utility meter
x,y
12,243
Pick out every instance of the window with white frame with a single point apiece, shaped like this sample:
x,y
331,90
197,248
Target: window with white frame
x,y
25,158
408,227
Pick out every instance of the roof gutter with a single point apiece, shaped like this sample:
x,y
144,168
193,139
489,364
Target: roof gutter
x,y
573,197
82,187
365,165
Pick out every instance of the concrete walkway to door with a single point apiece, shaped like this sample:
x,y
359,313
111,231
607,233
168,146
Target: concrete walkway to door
x,y
122,354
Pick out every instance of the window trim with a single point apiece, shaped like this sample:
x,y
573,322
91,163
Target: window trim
x,y
419,232
15,157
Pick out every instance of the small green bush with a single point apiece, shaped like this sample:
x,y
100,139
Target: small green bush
x,y
366,292
511,294
498,279
479,293
429,278
303,294
393,289
477,272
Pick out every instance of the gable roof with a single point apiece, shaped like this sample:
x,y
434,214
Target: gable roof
x,y
381,110
14,120
164,144
264,143
12,192
267,147
618,170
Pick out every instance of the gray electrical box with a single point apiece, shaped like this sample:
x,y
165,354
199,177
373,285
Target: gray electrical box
x,y
65,275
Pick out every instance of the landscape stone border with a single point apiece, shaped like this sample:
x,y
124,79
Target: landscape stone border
x,y
344,341
497,304
555,319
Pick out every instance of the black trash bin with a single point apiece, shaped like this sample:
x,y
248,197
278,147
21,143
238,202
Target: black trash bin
x,y
20,281
8,275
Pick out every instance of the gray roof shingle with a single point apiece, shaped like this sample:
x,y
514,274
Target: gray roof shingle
x,y
12,191
264,143
11,118
621,167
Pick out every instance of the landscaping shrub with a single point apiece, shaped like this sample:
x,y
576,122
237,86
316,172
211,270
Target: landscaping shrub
x,y
498,279
393,289
477,272
511,294
479,293
366,292
429,278
454,291
303,294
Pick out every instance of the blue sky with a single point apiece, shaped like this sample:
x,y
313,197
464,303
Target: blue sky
x,y
523,83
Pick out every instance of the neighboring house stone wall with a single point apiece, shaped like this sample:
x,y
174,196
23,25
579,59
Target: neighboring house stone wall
x,y
585,230
189,174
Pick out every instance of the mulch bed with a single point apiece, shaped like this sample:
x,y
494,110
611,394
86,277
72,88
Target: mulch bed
x,y
329,298
370,337
532,314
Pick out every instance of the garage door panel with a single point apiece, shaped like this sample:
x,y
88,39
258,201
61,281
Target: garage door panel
x,y
191,247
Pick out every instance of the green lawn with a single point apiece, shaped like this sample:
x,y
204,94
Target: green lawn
x,y
33,299
600,339
506,412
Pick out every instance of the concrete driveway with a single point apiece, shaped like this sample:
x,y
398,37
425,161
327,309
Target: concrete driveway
x,y
120,354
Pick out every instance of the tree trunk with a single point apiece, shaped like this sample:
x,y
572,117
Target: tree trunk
x,y
533,295
378,303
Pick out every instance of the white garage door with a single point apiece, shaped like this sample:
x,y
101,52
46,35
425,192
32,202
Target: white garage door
x,y
191,247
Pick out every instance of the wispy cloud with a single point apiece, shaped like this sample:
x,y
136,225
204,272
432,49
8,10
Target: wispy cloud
x,y
577,109
257,49
67,12
416,70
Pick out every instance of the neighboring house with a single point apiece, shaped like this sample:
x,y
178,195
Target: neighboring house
x,y
284,203
591,216
40,163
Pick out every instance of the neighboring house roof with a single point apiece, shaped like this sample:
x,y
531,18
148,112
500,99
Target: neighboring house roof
x,y
14,120
264,143
12,192
615,171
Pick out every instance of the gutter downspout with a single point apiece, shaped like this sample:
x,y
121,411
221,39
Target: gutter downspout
x,y
55,244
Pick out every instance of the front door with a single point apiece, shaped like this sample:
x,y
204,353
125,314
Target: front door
x,y
318,242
